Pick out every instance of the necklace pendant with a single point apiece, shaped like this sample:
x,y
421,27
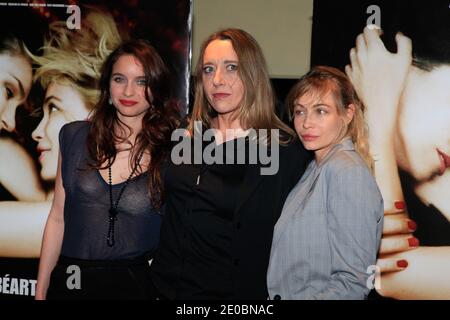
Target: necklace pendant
x,y
113,213
110,241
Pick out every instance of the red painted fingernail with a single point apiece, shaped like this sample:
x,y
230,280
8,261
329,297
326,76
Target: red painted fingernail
x,y
412,225
413,242
400,205
402,263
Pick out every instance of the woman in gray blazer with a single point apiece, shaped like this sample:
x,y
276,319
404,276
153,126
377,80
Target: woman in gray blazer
x,y
326,241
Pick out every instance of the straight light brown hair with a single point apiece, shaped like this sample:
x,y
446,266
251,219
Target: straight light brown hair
x,y
322,80
257,109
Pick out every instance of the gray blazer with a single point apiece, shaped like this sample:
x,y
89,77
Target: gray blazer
x,y
329,231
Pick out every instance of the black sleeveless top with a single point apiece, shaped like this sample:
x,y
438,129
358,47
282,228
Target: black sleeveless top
x,y
87,203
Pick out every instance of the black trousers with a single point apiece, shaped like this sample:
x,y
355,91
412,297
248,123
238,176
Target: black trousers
x,y
75,279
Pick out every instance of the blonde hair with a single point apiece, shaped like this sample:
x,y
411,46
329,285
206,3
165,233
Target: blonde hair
x,y
257,109
320,81
75,57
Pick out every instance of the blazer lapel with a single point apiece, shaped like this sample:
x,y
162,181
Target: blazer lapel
x,y
296,198
306,184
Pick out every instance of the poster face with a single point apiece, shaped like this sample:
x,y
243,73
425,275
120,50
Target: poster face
x,y
56,50
404,80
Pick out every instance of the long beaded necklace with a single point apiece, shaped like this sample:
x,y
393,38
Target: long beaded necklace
x,y
113,205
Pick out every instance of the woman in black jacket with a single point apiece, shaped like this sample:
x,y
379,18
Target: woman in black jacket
x,y
227,180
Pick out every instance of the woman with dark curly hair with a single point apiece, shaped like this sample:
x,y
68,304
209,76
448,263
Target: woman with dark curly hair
x,y
106,211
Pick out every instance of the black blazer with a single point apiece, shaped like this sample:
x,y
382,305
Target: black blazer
x,y
259,207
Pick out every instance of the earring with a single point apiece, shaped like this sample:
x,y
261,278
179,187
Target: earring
x,y
110,101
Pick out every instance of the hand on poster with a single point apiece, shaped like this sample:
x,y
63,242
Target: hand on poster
x,y
397,238
379,76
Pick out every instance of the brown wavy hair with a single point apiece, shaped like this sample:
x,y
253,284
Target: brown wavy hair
x,y
257,109
320,81
157,125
